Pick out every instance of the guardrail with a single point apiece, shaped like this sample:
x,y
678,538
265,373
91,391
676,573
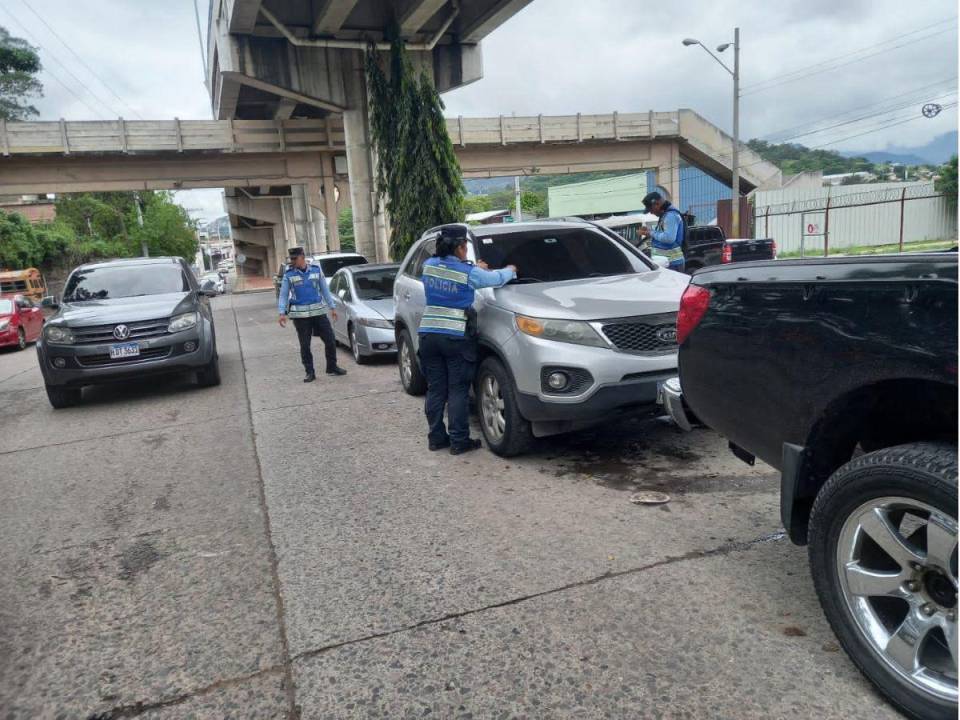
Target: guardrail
x,y
505,130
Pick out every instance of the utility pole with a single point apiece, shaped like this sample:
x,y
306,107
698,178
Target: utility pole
x,y
735,162
518,212
143,240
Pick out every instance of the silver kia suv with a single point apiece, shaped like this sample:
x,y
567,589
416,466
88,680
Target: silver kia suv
x,y
586,331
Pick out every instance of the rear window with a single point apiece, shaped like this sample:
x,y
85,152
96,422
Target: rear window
x,y
6,307
555,255
331,265
121,281
375,284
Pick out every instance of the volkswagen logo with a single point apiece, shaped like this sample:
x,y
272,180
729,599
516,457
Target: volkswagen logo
x,y
121,332
667,334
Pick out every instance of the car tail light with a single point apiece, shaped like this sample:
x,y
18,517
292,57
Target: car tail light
x,y
773,248
726,254
693,306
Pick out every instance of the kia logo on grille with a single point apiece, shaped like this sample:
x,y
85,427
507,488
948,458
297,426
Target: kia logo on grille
x,y
122,332
667,334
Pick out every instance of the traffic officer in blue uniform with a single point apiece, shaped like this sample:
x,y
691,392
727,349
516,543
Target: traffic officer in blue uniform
x,y
668,235
448,336
306,299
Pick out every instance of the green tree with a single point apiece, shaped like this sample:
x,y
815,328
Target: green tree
x,y
476,204
23,245
19,67
417,169
947,182
534,203
345,226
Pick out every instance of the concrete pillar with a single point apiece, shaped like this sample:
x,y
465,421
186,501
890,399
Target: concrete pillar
x,y
330,209
360,167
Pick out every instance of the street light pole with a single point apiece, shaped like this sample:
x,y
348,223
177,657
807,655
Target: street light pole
x,y
735,157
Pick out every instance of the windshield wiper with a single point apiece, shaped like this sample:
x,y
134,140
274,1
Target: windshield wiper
x,y
525,279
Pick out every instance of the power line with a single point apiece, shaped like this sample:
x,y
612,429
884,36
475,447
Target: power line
x,y
51,73
801,73
79,59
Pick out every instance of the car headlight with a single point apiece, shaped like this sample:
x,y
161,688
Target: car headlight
x,y
57,335
376,323
571,331
182,322
4,323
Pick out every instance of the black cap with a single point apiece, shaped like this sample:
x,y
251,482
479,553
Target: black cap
x,y
454,232
295,252
650,197
451,237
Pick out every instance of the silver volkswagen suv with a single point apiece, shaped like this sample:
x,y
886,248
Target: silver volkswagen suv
x,y
587,330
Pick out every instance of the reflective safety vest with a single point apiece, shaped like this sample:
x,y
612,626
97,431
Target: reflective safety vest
x,y
448,294
306,300
673,250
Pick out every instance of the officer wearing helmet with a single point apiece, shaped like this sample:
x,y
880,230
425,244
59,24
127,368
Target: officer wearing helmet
x,y
448,331
668,234
306,299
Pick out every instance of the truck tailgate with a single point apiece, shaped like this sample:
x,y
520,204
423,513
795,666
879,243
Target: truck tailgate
x,y
746,250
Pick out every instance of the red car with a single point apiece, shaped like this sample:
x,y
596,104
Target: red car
x,y
21,321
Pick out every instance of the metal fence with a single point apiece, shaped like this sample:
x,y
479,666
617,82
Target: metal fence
x,y
845,217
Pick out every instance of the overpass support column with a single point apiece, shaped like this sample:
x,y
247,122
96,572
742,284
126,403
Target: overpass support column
x,y
369,225
330,202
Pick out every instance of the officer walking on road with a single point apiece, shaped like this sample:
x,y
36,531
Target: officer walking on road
x,y
668,235
448,336
306,299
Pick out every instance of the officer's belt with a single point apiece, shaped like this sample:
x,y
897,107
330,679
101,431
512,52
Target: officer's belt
x,y
312,310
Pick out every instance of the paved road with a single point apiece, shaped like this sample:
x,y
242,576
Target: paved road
x,y
266,548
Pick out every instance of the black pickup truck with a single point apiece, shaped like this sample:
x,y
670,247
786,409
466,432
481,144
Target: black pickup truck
x,y
707,245
842,374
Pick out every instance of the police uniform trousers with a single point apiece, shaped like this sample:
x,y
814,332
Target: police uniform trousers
x,y
320,326
449,364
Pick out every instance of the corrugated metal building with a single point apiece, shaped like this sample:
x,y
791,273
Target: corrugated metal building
x,y
852,215
603,197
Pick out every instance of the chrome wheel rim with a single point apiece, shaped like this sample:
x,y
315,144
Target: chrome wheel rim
x,y
353,345
491,409
21,339
897,565
406,366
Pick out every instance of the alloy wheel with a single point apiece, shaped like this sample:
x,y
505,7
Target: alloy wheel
x,y
897,565
406,363
491,408
21,339
354,345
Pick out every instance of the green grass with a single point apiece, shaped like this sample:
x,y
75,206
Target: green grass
x,y
918,246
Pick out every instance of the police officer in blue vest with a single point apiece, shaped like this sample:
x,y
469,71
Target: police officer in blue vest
x,y
448,332
668,235
306,299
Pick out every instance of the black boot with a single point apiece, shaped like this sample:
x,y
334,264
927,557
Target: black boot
x,y
471,444
336,371
310,376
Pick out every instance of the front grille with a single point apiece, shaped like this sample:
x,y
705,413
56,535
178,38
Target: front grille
x,y
578,380
102,360
648,334
141,330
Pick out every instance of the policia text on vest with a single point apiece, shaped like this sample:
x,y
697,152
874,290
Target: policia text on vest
x,y
448,343
306,299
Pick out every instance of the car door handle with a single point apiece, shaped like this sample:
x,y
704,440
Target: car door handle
x,y
406,295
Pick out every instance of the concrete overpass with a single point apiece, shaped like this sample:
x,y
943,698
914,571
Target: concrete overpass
x,y
274,169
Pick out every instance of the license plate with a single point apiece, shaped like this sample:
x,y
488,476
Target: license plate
x,y
124,350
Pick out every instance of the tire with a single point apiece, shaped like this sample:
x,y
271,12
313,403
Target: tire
x,y
506,431
21,339
355,348
887,494
63,397
411,377
209,375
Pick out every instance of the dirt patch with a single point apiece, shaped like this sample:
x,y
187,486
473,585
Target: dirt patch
x,y
137,559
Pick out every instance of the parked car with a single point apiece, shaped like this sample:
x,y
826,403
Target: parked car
x,y
365,321
217,279
587,330
842,374
21,321
127,319
329,264
706,245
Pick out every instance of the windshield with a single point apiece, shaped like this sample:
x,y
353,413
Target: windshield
x,y
6,307
122,281
375,284
555,255
331,265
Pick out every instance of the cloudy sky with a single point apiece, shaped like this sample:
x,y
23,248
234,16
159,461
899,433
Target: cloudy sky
x,y
138,58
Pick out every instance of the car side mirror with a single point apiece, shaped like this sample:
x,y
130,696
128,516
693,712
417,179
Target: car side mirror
x,y
341,292
208,288
50,301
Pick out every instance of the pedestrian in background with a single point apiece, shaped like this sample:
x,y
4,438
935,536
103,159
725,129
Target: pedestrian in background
x,y
669,232
306,299
448,336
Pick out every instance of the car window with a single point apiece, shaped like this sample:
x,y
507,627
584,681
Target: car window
x,y
335,283
331,265
555,255
345,286
6,306
375,284
415,266
105,283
